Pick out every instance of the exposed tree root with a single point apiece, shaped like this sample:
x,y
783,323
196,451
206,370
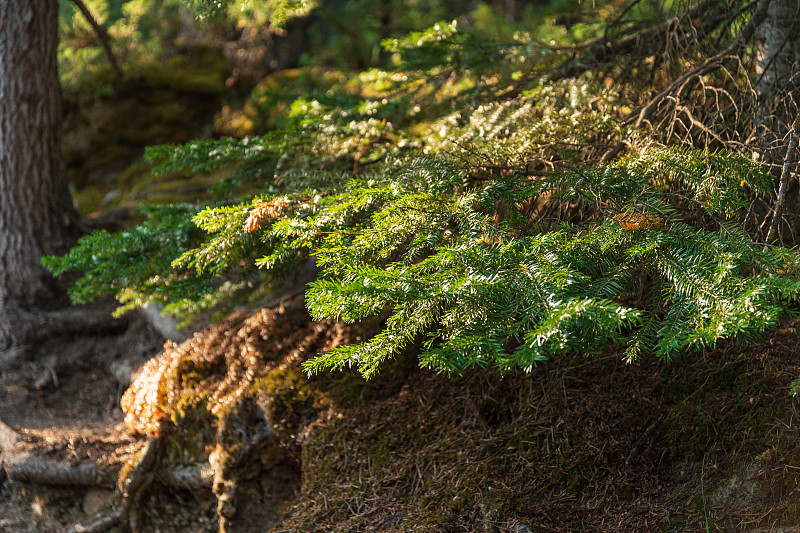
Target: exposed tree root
x,y
141,476
243,430
90,319
19,464
192,478
32,328
254,468
104,523
11,356
22,465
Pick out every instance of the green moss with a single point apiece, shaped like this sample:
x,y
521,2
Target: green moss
x,y
108,154
192,374
132,174
127,468
172,112
195,429
288,398
166,100
139,186
90,199
269,104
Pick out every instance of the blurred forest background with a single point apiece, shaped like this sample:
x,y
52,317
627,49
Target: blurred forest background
x,y
181,70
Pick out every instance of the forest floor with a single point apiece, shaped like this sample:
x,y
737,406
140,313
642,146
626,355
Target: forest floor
x,y
706,442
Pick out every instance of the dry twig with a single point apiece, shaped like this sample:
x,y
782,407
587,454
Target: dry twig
x,y
784,183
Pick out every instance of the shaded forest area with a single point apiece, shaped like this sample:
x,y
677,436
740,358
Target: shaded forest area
x,y
441,266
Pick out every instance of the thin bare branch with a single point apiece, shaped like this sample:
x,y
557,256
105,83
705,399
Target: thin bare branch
x,y
102,34
786,173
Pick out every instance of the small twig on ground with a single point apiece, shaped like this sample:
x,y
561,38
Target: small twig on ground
x,y
645,436
784,184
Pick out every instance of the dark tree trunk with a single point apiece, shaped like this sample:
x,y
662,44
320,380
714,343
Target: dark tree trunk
x,y
36,212
778,70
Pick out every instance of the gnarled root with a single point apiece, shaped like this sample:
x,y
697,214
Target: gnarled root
x,y
23,465
243,429
253,473
94,318
141,476
20,463
144,471
31,328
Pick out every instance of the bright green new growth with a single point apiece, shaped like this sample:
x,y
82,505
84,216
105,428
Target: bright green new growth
x,y
461,211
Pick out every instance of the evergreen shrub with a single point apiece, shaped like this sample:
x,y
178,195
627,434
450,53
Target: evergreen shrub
x,y
465,204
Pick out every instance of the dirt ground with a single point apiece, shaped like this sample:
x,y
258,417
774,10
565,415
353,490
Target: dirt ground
x,y
706,442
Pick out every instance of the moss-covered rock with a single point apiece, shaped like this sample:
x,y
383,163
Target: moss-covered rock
x,y
167,101
200,70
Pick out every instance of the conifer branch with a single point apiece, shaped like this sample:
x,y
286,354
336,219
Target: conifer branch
x,y
446,236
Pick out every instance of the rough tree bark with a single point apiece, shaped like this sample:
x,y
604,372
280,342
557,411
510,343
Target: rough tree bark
x,y
778,68
36,212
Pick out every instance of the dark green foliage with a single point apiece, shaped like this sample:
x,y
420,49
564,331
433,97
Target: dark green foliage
x,y
444,47
136,265
506,294
468,212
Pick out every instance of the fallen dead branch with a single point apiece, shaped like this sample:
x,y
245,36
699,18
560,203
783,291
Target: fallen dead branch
x,y
784,183
717,61
603,51
102,35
